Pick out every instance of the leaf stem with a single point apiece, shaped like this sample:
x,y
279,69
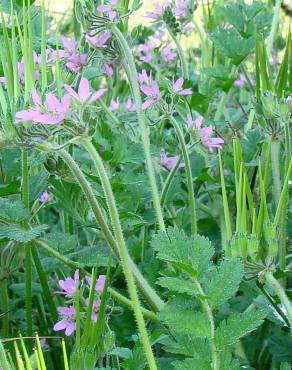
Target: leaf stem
x,y
133,80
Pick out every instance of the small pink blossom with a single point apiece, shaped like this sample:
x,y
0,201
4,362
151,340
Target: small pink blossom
x,y
99,41
108,9
152,92
44,197
130,105
95,308
197,122
168,53
114,105
208,141
108,67
177,87
76,62
84,95
143,78
145,51
100,282
241,81
170,162
181,8
70,285
68,321
157,13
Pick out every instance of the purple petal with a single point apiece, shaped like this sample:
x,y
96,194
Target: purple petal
x,y
148,103
83,89
97,95
35,97
61,325
71,91
52,102
65,104
26,115
178,84
187,91
70,329
104,8
100,283
146,90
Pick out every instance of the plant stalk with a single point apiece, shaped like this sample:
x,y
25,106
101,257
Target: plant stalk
x,y
183,63
275,23
275,160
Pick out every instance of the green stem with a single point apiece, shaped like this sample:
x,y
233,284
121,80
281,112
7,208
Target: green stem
x,y
168,181
283,195
4,303
74,265
208,311
149,294
184,65
275,160
123,252
280,292
133,79
186,158
275,23
4,363
28,282
110,113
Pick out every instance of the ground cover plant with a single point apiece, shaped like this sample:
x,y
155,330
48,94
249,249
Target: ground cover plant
x,y
145,209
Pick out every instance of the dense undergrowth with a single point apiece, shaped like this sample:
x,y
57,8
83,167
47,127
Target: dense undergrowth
x,y
145,210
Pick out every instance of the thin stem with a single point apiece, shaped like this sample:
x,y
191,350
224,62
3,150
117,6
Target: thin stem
x,y
133,79
74,265
275,23
186,158
280,292
283,195
123,252
168,181
275,160
4,304
184,65
149,294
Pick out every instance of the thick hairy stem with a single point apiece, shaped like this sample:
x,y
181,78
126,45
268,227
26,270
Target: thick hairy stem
x,y
186,158
184,65
148,293
280,292
133,80
208,311
124,256
275,160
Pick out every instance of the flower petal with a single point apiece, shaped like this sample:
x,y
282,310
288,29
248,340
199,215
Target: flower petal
x,y
61,325
83,89
70,329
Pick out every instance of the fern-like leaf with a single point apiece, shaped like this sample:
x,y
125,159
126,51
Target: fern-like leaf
x,y
13,210
20,234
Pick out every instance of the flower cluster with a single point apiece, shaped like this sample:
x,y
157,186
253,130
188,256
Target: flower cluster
x,y
74,61
169,162
69,288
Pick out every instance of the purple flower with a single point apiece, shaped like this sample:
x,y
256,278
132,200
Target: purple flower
x,y
107,9
130,105
152,92
44,197
143,77
168,53
241,81
180,10
100,282
70,47
70,285
108,67
84,95
76,62
209,142
68,321
99,41
114,105
95,308
51,112
157,13
197,122
177,87
145,51
170,162
158,35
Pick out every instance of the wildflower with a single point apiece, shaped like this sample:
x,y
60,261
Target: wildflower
x,y
114,105
209,142
95,308
44,197
158,35
75,61
143,77
197,122
170,162
70,285
241,81
177,87
108,67
99,286
99,41
157,13
70,47
168,53
180,10
273,60
145,51
130,105
84,95
68,321
108,9
51,112
152,92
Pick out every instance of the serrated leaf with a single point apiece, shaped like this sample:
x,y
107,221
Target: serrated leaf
x,y
178,285
192,254
236,326
20,234
191,364
13,210
63,242
187,345
224,282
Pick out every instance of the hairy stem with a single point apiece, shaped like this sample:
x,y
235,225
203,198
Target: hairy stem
x,y
183,63
123,252
133,80
186,158
168,181
275,160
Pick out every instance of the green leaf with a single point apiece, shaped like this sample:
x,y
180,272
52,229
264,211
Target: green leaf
x,y
20,234
187,345
13,210
63,242
224,282
192,254
232,45
178,285
236,326
285,366
191,364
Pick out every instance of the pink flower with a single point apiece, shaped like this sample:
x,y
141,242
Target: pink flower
x,y
76,62
177,87
168,53
95,308
99,41
114,105
70,47
99,286
143,77
152,92
145,51
108,67
68,321
130,105
51,112
44,197
157,13
84,95
209,142
170,162
194,123
180,10
241,81
159,35
107,9
70,285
